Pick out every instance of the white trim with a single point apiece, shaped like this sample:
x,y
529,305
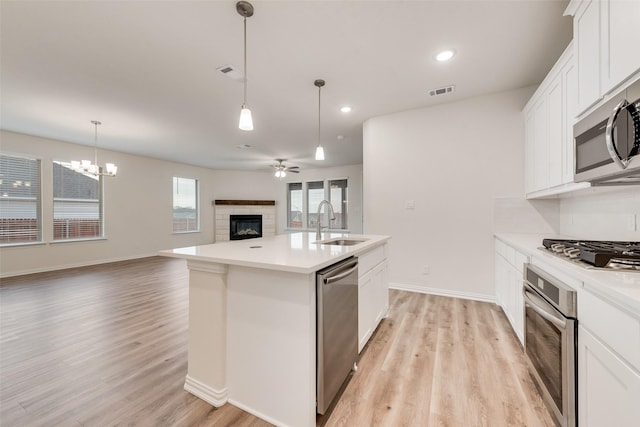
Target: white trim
x,y
207,267
202,391
257,414
442,292
75,265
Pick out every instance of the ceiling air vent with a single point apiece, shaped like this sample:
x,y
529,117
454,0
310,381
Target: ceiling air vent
x,y
441,90
232,72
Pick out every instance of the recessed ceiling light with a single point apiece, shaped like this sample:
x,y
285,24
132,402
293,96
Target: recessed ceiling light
x,y
345,109
445,55
340,137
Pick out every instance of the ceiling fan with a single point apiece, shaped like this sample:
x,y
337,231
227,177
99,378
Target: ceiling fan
x,y
281,169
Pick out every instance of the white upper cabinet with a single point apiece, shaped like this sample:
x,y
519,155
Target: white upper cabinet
x,y
606,42
620,51
549,118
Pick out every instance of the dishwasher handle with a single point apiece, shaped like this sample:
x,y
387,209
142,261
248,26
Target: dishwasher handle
x,y
330,279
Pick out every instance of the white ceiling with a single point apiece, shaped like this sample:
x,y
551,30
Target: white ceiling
x,y
147,70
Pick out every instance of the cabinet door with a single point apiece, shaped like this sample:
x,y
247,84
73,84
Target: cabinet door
x,y
586,27
366,308
540,146
608,389
381,292
570,87
529,142
620,53
556,131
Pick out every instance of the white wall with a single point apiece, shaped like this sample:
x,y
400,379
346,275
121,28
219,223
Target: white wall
x,y
144,185
138,206
602,214
451,161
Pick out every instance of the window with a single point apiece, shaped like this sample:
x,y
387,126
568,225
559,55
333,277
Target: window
x,y
338,199
185,205
20,200
303,199
294,205
77,204
315,194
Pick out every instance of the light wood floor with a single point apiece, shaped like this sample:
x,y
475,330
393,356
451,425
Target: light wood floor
x,y
106,345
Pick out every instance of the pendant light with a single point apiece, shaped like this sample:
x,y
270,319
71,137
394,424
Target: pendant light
x,y
92,168
319,150
245,9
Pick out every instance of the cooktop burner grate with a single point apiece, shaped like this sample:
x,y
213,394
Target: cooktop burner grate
x,y
601,254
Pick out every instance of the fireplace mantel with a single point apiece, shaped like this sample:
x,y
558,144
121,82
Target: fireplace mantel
x,y
244,202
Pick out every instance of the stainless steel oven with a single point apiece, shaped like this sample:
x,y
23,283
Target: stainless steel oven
x,y
550,341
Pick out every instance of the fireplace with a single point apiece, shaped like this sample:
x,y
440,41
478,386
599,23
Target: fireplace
x,y
245,227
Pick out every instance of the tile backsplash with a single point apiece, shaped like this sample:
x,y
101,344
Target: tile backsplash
x,y
611,213
517,215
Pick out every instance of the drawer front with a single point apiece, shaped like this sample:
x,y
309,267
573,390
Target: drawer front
x,y
612,325
370,259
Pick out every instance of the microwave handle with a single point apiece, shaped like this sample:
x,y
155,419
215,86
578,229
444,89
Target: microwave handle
x,y
609,138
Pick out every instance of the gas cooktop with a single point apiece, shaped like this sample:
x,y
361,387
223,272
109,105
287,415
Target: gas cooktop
x,y
598,254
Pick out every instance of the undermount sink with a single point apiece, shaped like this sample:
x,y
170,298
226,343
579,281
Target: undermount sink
x,y
341,242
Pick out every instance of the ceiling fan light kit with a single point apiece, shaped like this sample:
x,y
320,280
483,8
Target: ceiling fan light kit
x,y
245,9
281,169
319,149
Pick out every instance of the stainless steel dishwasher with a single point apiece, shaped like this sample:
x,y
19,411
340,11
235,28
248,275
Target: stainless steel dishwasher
x,y
337,328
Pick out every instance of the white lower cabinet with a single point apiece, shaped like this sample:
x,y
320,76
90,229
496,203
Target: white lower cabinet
x,y
608,388
608,362
509,264
373,292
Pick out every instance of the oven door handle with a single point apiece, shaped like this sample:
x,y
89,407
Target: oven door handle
x,y
536,303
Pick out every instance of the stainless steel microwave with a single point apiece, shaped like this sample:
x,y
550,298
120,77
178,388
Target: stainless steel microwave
x,y
607,141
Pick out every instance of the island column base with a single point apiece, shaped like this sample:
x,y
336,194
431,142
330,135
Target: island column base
x,y
207,357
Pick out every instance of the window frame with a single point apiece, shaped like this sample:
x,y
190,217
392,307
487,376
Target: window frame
x,y
196,209
39,205
326,182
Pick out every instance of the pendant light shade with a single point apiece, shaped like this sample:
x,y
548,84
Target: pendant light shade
x,y
245,9
319,149
246,122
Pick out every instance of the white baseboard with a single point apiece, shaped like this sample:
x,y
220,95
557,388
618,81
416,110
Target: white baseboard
x,y
210,395
258,414
442,292
74,265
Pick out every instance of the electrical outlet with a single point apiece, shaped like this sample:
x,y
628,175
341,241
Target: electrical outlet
x,y
410,204
425,269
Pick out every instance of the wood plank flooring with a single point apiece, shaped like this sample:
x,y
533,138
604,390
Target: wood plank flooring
x,y
106,346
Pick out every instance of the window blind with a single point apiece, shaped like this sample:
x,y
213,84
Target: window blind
x,y
20,199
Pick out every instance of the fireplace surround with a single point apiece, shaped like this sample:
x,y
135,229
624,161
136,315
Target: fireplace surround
x,y
223,209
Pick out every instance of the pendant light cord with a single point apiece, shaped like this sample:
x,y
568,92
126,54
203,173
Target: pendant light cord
x,y
319,91
245,63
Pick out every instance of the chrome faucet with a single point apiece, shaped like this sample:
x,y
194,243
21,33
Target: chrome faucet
x,y
333,217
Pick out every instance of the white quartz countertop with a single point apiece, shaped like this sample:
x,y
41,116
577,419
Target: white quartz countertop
x,y
617,286
294,252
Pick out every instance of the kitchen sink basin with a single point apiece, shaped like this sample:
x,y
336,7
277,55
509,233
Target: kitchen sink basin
x,y
341,242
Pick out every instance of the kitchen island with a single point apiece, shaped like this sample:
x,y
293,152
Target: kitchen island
x,y
252,320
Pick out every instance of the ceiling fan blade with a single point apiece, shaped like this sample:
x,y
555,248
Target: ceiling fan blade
x,y
292,171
